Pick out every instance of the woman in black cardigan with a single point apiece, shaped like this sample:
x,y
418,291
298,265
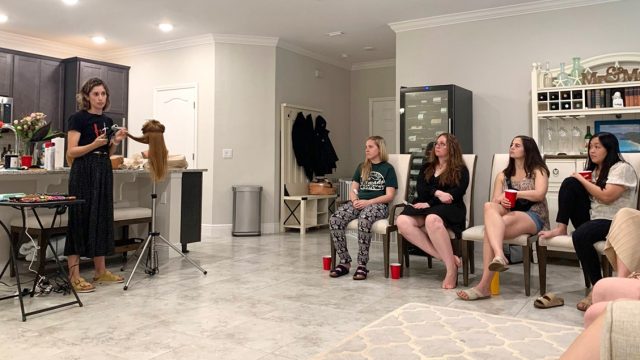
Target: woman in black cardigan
x,y
441,186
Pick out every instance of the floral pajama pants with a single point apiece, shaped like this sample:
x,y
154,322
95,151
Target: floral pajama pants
x,y
366,217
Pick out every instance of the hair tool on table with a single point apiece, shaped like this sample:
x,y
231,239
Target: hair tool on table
x,y
152,135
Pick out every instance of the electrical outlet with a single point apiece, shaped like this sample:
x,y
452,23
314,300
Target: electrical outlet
x,y
227,153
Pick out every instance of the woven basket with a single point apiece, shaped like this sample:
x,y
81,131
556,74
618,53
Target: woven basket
x,y
321,188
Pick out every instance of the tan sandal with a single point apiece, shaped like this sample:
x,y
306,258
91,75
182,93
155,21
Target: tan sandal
x,y
81,285
108,277
585,303
499,264
548,301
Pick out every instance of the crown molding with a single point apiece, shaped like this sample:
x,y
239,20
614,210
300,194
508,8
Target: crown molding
x,y
46,47
374,64
492,13
205,39
304,52
245,39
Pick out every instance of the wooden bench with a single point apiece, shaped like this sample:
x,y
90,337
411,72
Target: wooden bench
x,y
122,218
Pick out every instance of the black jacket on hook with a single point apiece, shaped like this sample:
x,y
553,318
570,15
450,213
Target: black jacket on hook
x,y
302,140
326,154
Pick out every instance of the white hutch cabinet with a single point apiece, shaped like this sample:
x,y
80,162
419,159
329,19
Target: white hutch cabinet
x,y
561,114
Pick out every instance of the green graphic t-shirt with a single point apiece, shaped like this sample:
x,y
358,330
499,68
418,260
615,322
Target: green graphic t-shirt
x,y
381,177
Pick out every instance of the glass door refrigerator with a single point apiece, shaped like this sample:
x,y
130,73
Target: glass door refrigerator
x,y
428,111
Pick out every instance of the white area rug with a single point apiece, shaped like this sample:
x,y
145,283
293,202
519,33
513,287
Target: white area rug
x,y
421,331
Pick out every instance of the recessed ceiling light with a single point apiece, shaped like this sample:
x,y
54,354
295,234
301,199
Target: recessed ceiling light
x,y
165,27
368,48
335,33
3,18
344,56
70,2
99,39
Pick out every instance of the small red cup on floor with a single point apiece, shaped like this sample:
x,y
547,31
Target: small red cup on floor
x,y
395,270
326,262
585,174
511,195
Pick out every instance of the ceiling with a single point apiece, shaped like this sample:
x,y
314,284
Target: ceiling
x,y
301,23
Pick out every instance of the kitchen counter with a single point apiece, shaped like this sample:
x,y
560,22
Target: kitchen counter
x,y
179,205
17,172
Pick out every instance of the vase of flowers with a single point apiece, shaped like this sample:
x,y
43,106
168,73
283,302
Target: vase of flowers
x,y
26,128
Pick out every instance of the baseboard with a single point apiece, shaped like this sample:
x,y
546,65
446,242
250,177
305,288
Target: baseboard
x,y
220,230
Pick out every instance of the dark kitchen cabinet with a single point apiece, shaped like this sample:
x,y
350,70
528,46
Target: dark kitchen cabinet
x,y
6,74
38,88
77,71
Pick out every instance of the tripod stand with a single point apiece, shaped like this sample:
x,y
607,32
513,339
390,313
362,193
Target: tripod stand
x,y
150,243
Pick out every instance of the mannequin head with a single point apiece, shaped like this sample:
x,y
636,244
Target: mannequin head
x,y
152,134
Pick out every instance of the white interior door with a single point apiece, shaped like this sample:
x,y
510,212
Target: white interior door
x,y
382,121
175,107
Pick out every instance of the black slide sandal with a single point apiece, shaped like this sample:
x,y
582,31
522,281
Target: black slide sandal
x,y
338,271
361,273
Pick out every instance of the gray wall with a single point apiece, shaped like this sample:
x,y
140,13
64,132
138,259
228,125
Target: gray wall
x,y
493,59
244,108
149,71
366,84
297,84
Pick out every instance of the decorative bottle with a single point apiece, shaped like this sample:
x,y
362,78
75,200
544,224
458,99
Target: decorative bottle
x,y
563,77
576,71
587,138
547,79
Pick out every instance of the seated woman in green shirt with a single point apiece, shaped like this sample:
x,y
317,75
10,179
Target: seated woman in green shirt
x,y
373,187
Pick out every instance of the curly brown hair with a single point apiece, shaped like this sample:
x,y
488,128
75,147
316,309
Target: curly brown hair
x,y
451,174
82,98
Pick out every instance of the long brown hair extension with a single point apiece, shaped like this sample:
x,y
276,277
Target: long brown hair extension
x,y
152,134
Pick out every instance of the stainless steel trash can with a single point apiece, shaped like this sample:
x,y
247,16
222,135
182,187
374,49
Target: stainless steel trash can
x,y
246,210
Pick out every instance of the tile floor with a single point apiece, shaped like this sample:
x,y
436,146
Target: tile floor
x,y
264,298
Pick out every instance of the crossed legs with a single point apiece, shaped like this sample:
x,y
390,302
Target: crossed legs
x,y
430,235
499,224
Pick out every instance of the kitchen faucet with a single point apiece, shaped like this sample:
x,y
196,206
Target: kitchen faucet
x,y
10,127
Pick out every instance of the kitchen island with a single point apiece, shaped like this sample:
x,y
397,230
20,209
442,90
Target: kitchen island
x,y
179,205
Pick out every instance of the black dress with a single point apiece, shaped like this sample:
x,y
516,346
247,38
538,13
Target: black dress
x,y
454,214
91,179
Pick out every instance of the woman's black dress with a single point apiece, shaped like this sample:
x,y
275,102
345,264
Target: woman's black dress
x,y
91,179
454,214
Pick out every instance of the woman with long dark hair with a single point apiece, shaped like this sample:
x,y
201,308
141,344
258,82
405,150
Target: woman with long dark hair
x,y
529,176
442,183
590,205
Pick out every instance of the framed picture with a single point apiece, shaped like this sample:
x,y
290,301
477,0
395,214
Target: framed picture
x,y
627,132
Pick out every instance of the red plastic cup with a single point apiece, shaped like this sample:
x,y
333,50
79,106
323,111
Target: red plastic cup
x,y
511,195
326,262
26,160
585,174
395,270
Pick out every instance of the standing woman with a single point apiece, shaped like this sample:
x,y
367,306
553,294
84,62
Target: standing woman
x,y
592,204
373,187
442,183
91,179
529,176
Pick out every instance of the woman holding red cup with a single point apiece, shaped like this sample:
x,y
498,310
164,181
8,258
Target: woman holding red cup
x,y
592,204
528,175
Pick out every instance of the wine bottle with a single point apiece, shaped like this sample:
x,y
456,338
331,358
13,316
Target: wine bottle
x,y
587,138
